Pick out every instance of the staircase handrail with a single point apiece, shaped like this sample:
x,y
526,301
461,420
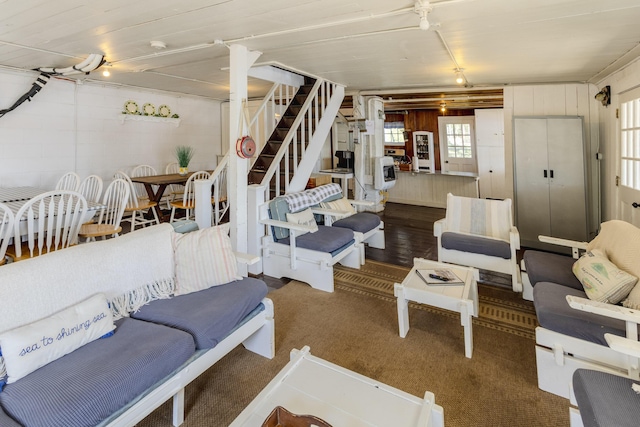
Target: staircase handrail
x,y
312,99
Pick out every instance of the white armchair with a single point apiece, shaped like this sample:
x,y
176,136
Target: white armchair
x,y
479,233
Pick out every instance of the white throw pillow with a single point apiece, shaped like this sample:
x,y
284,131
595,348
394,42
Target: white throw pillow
x,y
601,279
304,217
340,205
29,347
203,259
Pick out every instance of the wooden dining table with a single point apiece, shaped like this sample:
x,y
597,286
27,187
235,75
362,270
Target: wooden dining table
x,y
160,182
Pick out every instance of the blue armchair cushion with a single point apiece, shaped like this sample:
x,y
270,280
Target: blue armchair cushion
x,y
475,244
208,315
361,222
548,267
554,313
84,387
326,239
606,400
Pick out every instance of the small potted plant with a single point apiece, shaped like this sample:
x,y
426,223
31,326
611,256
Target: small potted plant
x,y
184,154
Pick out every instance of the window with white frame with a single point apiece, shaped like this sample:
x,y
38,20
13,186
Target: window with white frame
x,y
459,140
394,133
630,143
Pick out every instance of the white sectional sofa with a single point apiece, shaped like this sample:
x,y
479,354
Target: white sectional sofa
x,y
166,332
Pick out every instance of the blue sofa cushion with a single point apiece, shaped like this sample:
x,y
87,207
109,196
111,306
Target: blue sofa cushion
x,y
606,400
86,386
278,209
326,239
362,222
548,267
208,315
475,244
554,313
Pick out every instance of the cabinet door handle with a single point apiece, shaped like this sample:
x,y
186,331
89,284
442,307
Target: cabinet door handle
x,y
551,173
545,173
635,204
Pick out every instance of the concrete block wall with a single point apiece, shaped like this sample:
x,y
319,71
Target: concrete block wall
x,y
77,127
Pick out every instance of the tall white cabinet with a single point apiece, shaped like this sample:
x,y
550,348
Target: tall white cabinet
x,y
550,179
490,153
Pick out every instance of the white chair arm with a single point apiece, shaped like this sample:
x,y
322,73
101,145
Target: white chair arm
x,y
623,345
361,202
575,246
245,258
604,309
439,227
287,225
333,212
514,237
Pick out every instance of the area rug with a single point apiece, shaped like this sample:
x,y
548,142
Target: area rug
x,y
359,331
500,308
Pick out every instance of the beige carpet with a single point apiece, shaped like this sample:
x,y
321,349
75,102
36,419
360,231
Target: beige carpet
x,y
356,327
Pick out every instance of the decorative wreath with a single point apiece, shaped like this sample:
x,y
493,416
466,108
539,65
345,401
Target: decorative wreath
x,y
131,107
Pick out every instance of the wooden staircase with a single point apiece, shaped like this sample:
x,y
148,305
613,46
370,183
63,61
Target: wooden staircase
x,y
274,143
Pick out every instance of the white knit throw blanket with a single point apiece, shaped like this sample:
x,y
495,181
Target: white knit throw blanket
x,y
130,270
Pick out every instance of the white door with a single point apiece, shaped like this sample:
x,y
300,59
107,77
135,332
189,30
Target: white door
x,y
490,153
457,144
629,158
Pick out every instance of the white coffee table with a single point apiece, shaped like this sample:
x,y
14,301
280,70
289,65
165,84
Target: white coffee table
x,y
308,385
461,298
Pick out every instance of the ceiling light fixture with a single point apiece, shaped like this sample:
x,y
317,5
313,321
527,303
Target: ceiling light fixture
x,y
158,44
422,8
443,107
459,75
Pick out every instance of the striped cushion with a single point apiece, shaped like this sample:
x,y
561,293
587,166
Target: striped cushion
x,y
203,258
208,315
86,386
491,218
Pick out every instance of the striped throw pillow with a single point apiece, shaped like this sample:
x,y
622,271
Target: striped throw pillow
x,y
203,259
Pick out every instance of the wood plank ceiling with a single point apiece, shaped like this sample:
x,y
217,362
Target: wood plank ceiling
x,y
373,45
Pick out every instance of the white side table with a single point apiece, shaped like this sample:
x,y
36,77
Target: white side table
x,y
462,298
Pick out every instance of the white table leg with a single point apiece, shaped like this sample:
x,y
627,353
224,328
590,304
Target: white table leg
x,y
403,311
466,311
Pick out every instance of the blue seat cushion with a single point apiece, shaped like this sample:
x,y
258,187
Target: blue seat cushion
x,y
326,239
88,385
554,313
362,222
606,400
548,267
475,244
208,315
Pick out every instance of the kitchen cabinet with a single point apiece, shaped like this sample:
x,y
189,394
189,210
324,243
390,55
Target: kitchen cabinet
x,y
550,179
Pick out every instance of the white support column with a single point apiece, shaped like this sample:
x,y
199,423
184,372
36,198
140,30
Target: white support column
x,y
240,61
256,230
202,190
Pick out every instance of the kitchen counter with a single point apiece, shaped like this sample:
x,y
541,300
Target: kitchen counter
x,y
423,188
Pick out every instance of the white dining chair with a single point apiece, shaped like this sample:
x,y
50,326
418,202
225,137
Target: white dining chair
x,y
91,188
69,181
115,199
136,207
142,170
174,191
7,220
188,201
52,220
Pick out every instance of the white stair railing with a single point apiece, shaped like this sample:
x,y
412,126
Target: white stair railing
x,y
322,104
